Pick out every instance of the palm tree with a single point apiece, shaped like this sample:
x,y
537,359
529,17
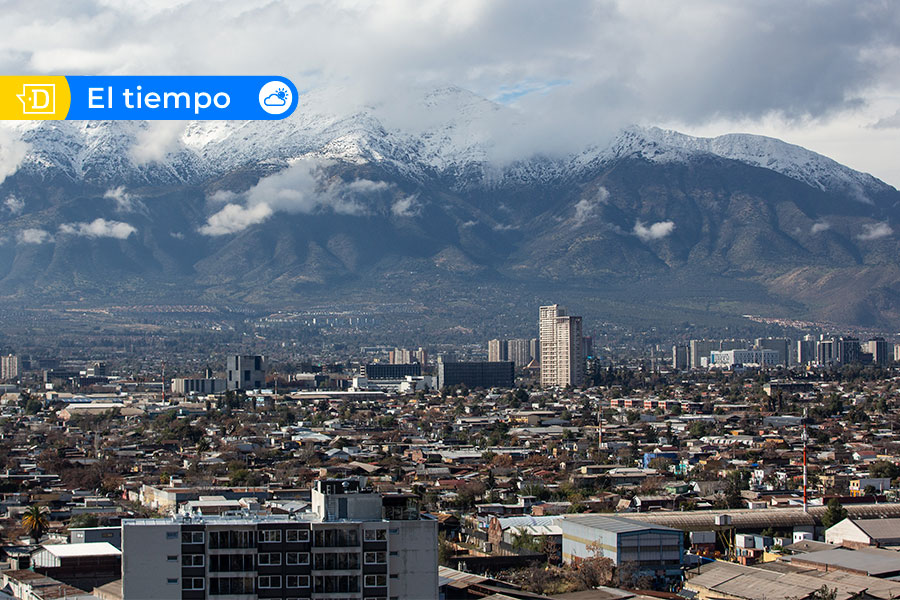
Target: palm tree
x,y
35,521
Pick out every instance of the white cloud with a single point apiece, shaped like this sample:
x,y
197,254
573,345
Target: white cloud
x,y
874,231
33,236
653,232
156,140
577,71
234,218
299,189
12,150
587,206
221,197
98,228
407,206
14,205
125,202
819,227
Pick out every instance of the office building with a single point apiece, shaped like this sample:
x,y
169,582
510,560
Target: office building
x,y
681,357
806,350
848,350
476,374
498,351
377,371
9,367
198,385
825,351
562,348
354,543
637,548
246,372
880,351
780,345
700,350
519,352
728,359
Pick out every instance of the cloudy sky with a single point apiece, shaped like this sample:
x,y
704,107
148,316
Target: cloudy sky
x,y
825,75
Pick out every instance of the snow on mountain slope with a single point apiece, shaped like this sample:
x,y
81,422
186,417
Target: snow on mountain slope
x,y
447,132
796,162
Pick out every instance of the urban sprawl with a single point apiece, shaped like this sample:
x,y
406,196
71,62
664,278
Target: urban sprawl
x,y
720,469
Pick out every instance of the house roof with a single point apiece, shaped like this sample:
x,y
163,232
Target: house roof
x,y
85,549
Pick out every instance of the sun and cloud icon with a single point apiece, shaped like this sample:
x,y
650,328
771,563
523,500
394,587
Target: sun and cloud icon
x,y
275,98
278,98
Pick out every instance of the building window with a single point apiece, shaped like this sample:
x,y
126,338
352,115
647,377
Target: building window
x,y
376,581
336,561
172,558
172,580
395,530
232,562
269,582
270,559
225,586
297,581
375,558
193,560
270,536
232,539
297,558
297,535
193,583
376,535
336,538
171,535
192,537
335,584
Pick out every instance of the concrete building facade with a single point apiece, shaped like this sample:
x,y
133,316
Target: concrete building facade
x,y
562,348
354,543
246,372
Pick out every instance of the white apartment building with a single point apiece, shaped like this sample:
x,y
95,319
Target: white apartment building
x,y
562,350
354,543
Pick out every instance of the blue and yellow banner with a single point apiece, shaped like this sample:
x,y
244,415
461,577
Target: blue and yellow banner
x,y
146,98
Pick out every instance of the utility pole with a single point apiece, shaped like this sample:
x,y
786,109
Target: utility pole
x,y
805,438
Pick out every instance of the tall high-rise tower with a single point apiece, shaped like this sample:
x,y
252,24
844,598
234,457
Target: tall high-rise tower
x,y
562,350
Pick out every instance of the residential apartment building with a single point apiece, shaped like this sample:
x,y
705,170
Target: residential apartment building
x,y
519,352
9,367
498,351
562,349
354,543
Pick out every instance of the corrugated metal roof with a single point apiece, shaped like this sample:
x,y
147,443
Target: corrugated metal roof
x,y
763,517
879,528
753,583
873,561
613,524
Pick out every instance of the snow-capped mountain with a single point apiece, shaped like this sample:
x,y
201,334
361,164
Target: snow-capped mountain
x,y
451,133
432,197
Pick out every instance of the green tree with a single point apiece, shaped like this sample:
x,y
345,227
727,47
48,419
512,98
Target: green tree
x,y
36,521
84,520
834,513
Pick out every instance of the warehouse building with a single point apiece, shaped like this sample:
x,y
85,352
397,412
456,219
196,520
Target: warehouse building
x,y
637,549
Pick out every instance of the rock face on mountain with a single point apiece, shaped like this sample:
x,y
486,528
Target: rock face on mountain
x,y
336,206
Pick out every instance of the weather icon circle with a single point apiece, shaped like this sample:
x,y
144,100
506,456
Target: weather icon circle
x,y
275,97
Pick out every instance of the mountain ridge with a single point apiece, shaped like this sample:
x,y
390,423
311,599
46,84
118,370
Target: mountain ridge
x,y
326,205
